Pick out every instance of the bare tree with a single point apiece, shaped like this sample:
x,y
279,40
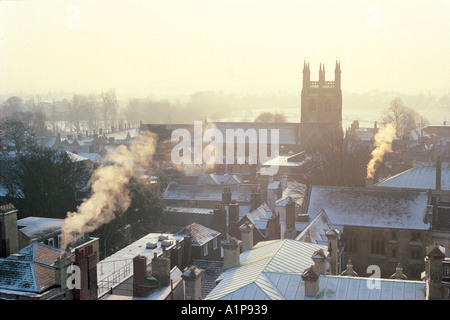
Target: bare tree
x,y
335,160
18,133
271,117
405,119
109,107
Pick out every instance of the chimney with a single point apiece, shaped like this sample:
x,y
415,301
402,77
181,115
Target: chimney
x,y
438,173
290,215
231,252
247,235
87,133
193,283
100,131
161,270
140,276
333,250
311,280
61,276
120,127
9,239
255,199
279,191
375,125
233,218
112,128
349,272
226,196
220,220
111,140
86,260
399,273
434,272
274,227
187,252
369,182
320,262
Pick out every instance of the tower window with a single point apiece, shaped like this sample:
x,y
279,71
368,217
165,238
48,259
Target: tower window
x,y
377,246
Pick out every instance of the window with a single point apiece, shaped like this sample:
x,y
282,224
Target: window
x,y
215,243
394,253
51,242
415,236
377,246
393,235
351,244
416,254
59,241
205,250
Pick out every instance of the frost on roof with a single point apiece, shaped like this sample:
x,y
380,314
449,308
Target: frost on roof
x,y
384,208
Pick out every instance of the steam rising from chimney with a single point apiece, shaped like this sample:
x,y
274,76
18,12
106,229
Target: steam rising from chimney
x,y
109,191
383,144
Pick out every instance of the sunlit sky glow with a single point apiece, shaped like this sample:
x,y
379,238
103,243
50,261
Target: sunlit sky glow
x,y
170,47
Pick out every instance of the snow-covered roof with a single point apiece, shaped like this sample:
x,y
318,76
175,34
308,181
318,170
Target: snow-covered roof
x,y
315,231
200,234
418,178
37,227
175,191
260,216
370,207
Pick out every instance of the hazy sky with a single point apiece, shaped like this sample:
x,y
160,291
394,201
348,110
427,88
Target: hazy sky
x,y
179,47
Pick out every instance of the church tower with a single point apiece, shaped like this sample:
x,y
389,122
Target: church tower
x,y
321,103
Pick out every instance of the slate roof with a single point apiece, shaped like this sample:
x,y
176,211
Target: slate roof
x,y
29,269
418,178
213,269
199,233
370,207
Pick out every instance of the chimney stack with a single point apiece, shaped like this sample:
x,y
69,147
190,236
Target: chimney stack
x,y
320,262
140,276
274,227
290,217
226,196
311,280
279,191
61,276
247,235
233,218
434,272
161,270
255,199
231,252
193,283
9,239
369,182
438,173
187,242
86,260
333,250
220,220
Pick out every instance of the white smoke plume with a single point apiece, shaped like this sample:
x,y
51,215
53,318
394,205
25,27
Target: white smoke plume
x,y
109,191
383,144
